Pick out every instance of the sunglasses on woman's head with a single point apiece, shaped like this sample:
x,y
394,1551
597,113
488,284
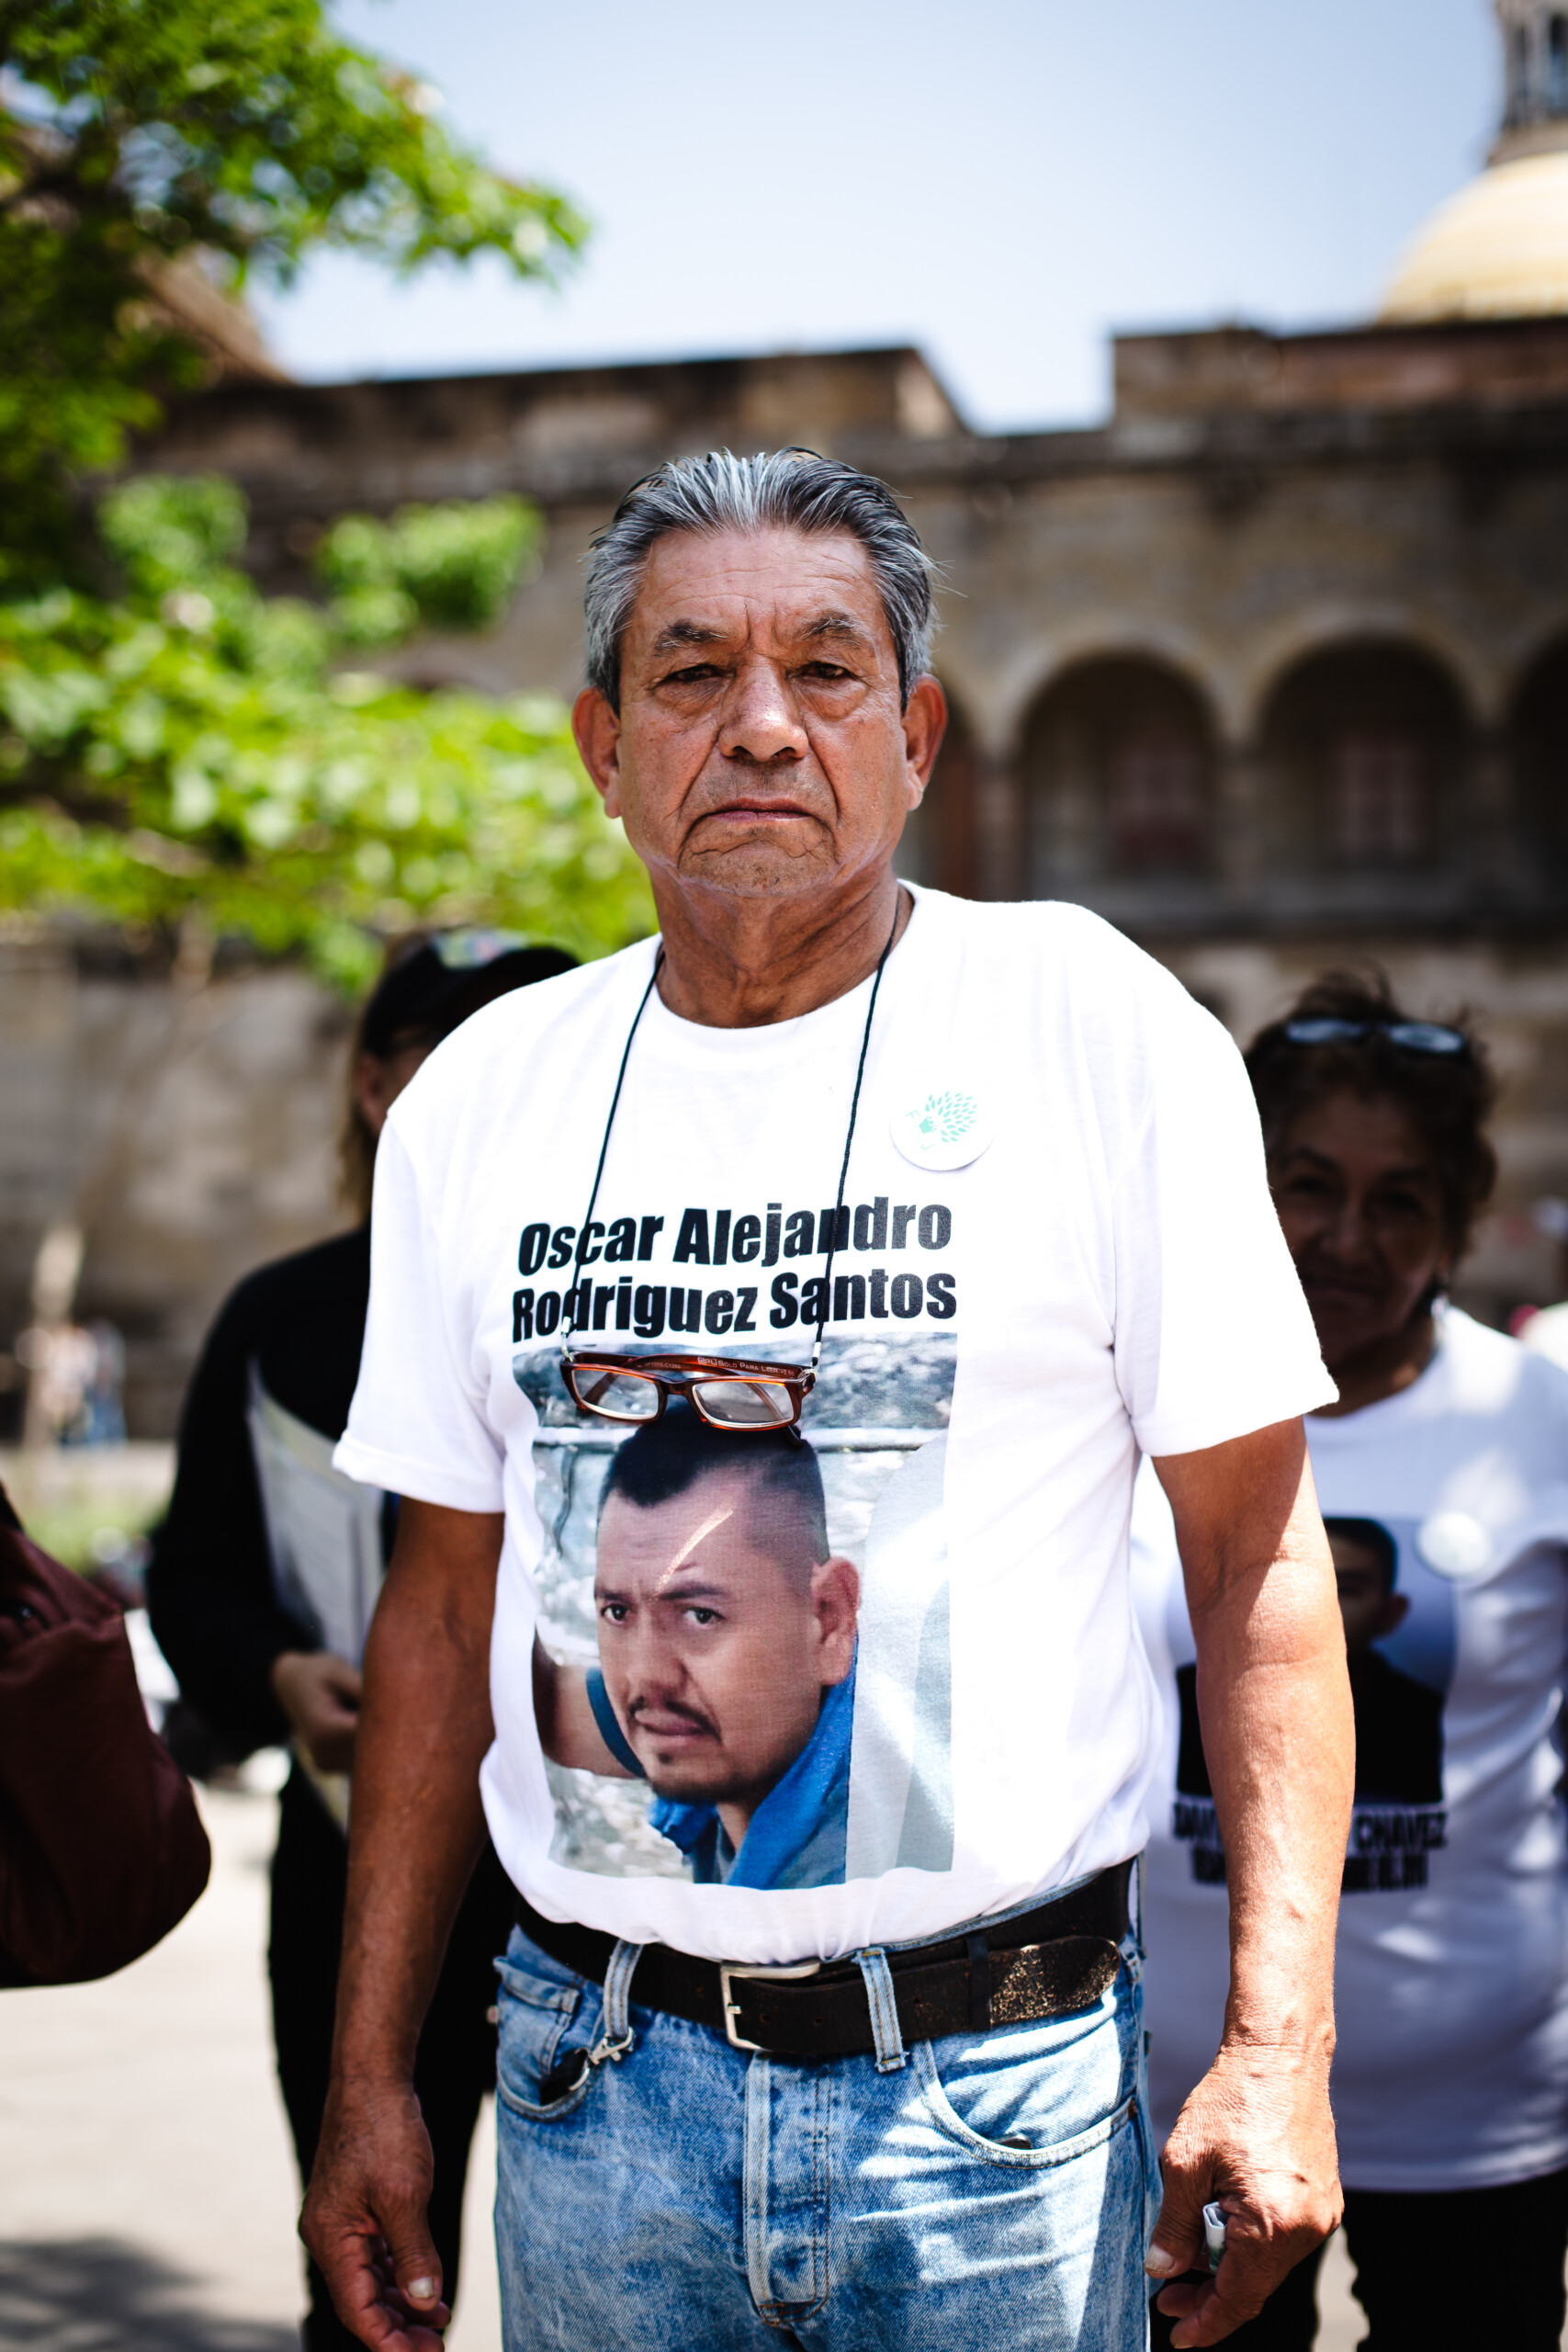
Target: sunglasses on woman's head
x,y
727,1392
1414,1036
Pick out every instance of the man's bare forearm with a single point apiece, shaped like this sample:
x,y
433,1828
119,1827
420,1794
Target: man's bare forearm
x,y
417,1824
1274,1701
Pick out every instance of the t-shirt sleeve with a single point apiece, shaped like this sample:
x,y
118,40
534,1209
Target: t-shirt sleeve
x,y
1213,1338
417,1425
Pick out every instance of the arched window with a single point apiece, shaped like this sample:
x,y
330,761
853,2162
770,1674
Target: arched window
x,y
1117,779
1363,746
1557,64
1158,801
1379,798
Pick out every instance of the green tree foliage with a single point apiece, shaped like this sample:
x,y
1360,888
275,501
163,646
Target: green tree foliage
x,y
191,752
454,565
188,756
135,133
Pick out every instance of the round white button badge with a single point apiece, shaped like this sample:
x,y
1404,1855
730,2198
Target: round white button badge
x,y
1455,1545
943,1126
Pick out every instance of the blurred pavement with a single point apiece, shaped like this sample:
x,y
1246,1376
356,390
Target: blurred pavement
x,y
150,2195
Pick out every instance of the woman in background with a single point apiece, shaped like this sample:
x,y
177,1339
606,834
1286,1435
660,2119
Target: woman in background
x,y
249,1657
1442,1473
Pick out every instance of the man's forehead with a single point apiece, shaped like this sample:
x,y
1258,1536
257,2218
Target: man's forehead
x,y
702,586
690,1533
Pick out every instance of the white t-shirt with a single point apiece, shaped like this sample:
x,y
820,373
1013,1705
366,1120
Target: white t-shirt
x,y
765,1738
1451,2070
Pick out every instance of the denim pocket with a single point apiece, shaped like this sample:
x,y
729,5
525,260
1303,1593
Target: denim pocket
x,y
543,2017
1035,2095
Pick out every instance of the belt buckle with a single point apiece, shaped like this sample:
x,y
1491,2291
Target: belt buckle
x,y
730,1973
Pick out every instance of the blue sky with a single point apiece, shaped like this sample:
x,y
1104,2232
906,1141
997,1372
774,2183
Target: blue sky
x,y
1002,183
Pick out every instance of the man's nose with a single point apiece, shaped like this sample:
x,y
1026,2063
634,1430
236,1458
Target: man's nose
x,y
652,1665
761,722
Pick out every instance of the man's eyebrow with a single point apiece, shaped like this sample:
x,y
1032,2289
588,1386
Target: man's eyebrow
x,y
676,634
695,1591
837,624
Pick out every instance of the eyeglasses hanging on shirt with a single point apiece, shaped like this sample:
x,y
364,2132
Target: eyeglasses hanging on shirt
x,y
727,1392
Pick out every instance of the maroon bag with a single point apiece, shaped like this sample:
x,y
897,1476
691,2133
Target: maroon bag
x,y
102,1849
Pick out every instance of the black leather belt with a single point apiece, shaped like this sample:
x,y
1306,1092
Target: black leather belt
x,y
1044,1963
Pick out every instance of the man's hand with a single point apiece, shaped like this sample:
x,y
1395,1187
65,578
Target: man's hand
x,y
365,2220
1257,2137
319,1695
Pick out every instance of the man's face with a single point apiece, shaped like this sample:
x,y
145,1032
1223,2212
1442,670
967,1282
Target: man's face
x,y
1369,1611
718,1634
759,748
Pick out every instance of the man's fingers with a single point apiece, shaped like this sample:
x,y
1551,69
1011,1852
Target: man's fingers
x,y
415,2264
1178,2242
1208,2309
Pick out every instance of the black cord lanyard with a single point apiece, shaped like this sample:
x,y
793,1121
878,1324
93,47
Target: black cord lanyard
x,y
569,1330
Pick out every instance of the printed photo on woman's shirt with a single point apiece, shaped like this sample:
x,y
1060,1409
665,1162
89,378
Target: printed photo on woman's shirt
x,y
1399,1643
741,1672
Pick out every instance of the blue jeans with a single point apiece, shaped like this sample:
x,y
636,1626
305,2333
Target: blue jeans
x,y
686,2196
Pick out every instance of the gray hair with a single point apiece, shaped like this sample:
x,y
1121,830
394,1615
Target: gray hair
x,y
789,488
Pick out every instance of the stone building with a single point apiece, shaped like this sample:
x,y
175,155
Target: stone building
x,y
1270,669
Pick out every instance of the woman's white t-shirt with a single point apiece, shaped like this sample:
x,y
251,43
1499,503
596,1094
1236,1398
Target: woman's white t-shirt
x,y
1057,1248
1451,1982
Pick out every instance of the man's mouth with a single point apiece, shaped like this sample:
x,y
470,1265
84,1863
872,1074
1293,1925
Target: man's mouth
x,y
749,809
669,1727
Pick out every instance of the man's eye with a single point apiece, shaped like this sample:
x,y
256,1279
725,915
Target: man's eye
x,y
616,1610
832,671
698,675
703,1616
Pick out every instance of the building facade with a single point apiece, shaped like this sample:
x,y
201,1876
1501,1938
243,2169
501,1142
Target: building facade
x,y
1270,669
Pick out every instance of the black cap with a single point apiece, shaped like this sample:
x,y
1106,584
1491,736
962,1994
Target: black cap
x,y
433,991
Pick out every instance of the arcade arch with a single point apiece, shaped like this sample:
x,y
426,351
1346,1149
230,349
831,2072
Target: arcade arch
x,y
1118,773
1364,749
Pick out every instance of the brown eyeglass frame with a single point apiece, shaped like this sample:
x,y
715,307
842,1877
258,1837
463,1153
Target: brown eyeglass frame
x,y
679,1375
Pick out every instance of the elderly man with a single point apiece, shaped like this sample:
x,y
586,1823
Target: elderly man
x,y
837,1122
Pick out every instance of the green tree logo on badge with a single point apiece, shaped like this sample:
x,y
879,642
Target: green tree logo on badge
x,y
946,1127
946,1118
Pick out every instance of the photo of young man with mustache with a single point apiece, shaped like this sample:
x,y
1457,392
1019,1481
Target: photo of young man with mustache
x,y
727,1650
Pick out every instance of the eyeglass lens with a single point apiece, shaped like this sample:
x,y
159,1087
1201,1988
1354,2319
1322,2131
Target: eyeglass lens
x,y
744,1404
618,1395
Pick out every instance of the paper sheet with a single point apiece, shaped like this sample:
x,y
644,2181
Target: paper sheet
x,y
324,1531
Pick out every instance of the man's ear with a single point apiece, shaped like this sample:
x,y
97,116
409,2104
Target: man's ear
x,y
925,724
1395,1610
598,732
835,1598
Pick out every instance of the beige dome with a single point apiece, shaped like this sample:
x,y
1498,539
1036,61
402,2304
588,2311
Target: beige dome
x,y
1497,250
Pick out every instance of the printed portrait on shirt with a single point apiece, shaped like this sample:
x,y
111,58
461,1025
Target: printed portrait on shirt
x,y
1399,1644
740,1671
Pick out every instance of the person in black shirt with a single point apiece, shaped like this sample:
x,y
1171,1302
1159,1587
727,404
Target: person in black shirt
x,y
1399,1720
256,1673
